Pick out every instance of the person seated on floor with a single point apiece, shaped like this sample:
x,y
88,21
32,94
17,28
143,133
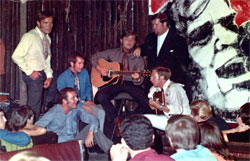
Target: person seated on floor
x,y
212,138
166,97
63,119
22,120
137,139
242,132
17,138
183,134
202,111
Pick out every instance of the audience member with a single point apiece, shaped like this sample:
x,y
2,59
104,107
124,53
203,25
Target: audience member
x,y
137,139
183,134
18,138
63,119
33,56
212,138
202,111
77,77
242,132
173,98
22,119
27,156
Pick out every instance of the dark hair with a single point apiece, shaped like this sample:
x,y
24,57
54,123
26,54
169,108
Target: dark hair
x,y
161,16
137,131
1,110
202,109
245,114
183,132
212,138
19,117
41,15
128,33
72,57
63,94
163,71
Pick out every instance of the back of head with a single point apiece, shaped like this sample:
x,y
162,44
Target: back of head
x,y
183,132
27,156
201,109
137,131
212,138
245,114
163,71
19,117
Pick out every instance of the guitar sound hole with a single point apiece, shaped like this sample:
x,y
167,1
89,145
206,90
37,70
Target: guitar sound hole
x,y
106,78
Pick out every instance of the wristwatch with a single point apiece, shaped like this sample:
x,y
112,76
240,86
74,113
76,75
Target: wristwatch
x,y
161,107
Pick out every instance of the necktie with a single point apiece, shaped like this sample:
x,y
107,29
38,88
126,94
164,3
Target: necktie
x,y
77,85
125,62
46,46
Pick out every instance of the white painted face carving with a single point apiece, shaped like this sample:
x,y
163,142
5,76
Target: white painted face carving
x,y
212,37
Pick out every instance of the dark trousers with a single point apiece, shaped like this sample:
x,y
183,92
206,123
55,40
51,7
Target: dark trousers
x,y
106,94
35,92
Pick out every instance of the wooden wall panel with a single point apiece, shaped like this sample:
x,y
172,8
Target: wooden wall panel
x,y
94,26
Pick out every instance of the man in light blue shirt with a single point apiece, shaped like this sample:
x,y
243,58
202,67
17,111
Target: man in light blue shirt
x,y
183,134
83,87
63,120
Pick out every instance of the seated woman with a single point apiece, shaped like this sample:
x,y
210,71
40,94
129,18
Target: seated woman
x,y
18,138
242,132
202,111
211,138
22,120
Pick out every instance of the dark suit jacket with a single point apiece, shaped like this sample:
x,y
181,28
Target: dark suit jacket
x,y
173,54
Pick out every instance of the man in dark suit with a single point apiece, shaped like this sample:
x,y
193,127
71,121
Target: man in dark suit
x,y
163,47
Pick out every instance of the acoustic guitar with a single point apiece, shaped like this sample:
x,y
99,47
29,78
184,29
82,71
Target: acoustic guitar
x,y
159,96
114,74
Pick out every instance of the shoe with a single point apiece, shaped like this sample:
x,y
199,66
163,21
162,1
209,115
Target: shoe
x,y
95,149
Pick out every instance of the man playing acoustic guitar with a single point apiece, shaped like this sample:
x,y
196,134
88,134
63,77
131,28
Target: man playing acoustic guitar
x,y
171,100
130,83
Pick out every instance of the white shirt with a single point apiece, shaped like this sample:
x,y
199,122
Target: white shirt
x,y
29,54
160,40
175,98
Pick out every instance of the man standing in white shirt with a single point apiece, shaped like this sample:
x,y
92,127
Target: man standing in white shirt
x,y
172,100
33,56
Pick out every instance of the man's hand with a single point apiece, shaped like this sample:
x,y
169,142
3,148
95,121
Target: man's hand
x,y
153,104
118,152
34,75
88,106
137,52
89,141
103,71
47,82
135,76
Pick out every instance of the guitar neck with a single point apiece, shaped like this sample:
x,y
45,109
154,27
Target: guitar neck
x,y
124,72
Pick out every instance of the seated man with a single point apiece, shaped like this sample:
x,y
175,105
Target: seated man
x,y
183,134
202,111
63,119
77,77
137,138
171,100
18,138
131,82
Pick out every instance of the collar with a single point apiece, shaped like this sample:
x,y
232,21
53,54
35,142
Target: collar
x,y
40,33
163,36
166,85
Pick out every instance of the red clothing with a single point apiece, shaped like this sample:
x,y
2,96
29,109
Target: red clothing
x,y
151,155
